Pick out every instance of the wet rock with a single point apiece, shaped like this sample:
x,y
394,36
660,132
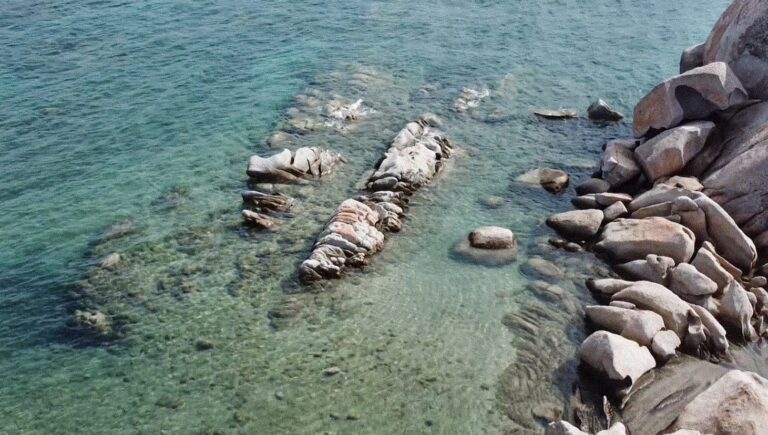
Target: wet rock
x,y
732,270
692,57
94,322
111,261
266,202
556,114
664,345
736,310
607,199
637,325
552,180
625,240
669,152
492,238
761,297
737,403
619,359
577,224
659,299
690,284
572,247
693,95
492,201
203,344
257,220
615,211
738,38
563,428
543,267
618,165
758,281
585,201
652,268
593,185
470,98
331,371
602,111
716,334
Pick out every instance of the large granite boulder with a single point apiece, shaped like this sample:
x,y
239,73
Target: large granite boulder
x,y
738,175
736,310
739,39
637,325
602,111
692,57
652,268
621,360
690,284
737,403
625,240
577,224
677,314
715,332
693,95
669,152
492,238
618,165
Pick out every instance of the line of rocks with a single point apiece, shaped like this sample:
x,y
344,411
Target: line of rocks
x,y
356,230
683,247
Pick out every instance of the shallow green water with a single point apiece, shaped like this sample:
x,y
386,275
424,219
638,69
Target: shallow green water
x,y
147,112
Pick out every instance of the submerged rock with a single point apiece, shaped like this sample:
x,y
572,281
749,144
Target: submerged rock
x,y
692,95
258,220
556,114
94,322
469,99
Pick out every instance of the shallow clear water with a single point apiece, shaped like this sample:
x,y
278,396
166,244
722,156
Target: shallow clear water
x,y
146,112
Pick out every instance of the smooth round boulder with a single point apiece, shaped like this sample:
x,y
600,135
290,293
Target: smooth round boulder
x,y
624,240
593,185
577,224
552,180
602,111
492,238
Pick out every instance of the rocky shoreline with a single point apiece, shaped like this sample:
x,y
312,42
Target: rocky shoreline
x,y
678,212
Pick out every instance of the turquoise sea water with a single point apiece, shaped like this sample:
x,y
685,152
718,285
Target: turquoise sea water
x,y
143,115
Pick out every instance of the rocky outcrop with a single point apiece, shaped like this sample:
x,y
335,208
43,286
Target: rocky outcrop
x,y
356,230
737,403
625,240
637,325
652,268
602,111
692,57
693,95
677,315
618,165
739,39
593,185
288,167
669,152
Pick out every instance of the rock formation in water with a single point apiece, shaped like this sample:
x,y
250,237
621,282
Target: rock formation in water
x,y
356,230
687,239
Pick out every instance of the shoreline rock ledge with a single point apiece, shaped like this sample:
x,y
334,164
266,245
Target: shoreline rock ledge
x,y
683,223
356,230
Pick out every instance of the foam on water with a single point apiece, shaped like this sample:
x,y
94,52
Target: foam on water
x,y
147,112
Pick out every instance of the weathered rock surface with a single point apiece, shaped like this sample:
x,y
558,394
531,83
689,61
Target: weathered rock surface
x,y
615,211
577,224
265,202
607,287
620,359
618,164
94,322
602,111
692,57
690,284
737,403
654,297
637,325
716,334
552,180
556,114
593,185
469,99
739,39
736,310
652,268
625,240
287,167
492,238
669,152
257,220
693,95
664,345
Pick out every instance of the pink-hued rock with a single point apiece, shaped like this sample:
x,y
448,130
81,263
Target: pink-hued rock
x,y
669,152
692,95
625,240
616,357
739,39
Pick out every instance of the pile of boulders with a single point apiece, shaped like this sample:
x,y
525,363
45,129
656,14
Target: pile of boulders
x,y
259,206
356,230
675,211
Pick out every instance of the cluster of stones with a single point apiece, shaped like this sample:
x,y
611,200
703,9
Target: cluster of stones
x,y
286,167
684,247
356,230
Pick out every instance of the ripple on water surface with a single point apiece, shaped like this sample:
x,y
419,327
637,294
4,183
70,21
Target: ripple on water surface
x,y
146,113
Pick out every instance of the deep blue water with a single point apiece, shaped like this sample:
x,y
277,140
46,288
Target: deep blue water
x,y
113,110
